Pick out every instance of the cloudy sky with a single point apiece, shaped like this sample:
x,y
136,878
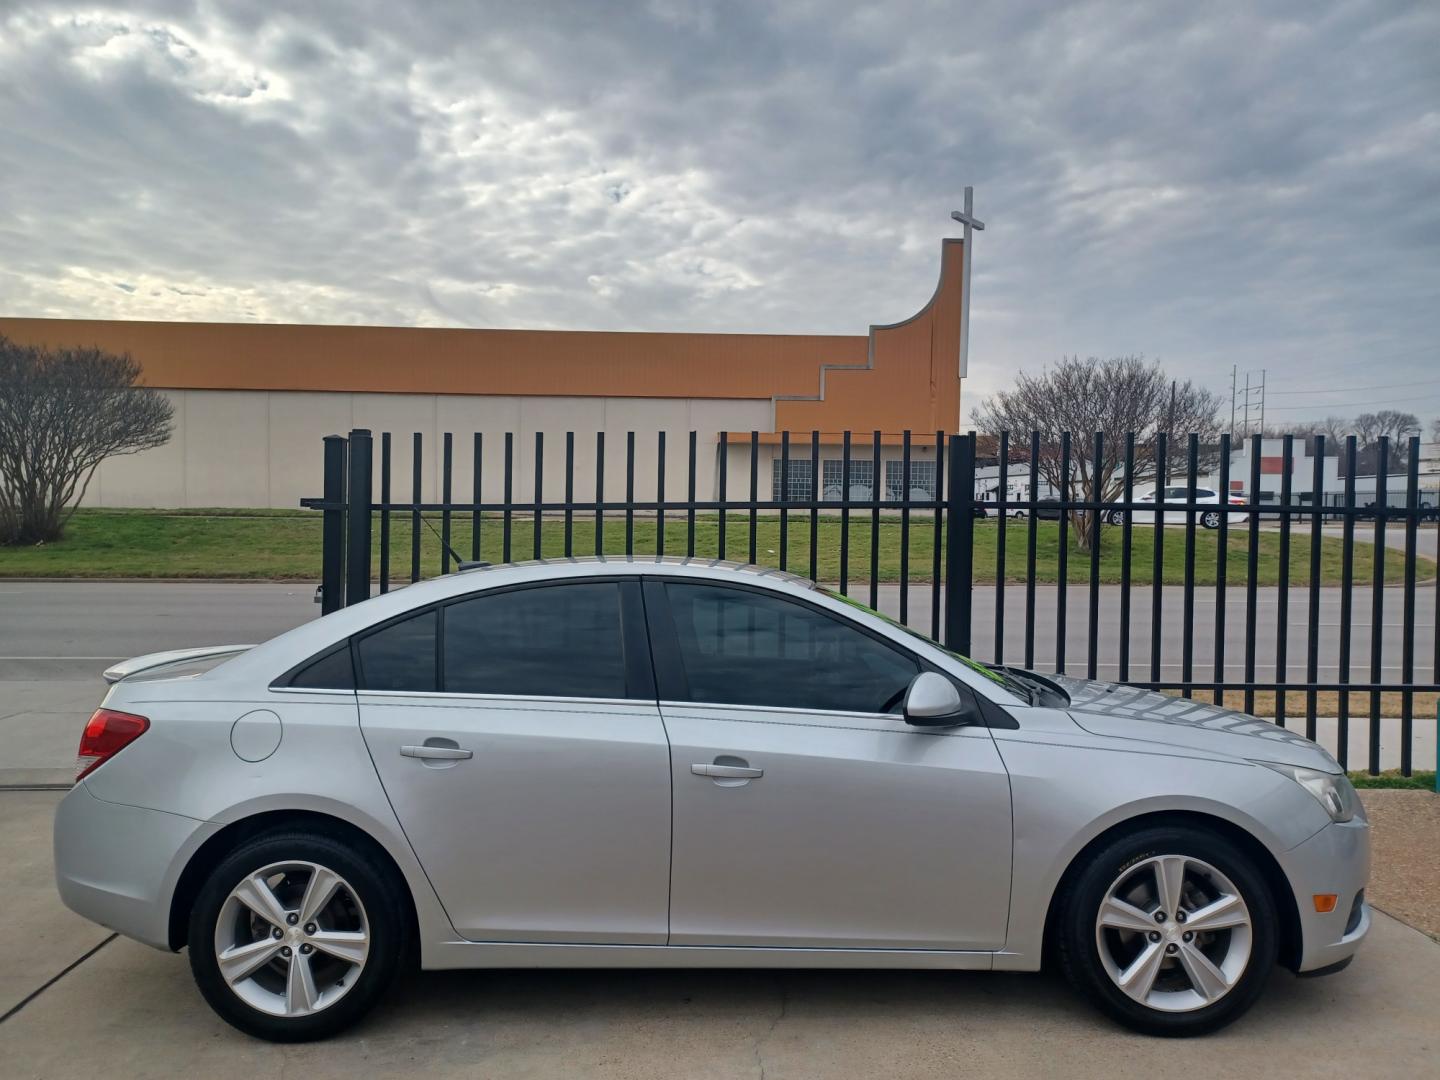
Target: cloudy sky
x,y
1204,183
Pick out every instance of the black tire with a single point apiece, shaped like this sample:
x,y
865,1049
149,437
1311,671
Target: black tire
x,y
1210,519
1078,951
1115,517
372,880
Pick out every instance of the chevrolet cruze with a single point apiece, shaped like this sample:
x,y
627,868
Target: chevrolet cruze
x,y
690,764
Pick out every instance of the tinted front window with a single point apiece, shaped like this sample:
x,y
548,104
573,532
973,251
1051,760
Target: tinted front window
x,y
401,656
746,648
555,641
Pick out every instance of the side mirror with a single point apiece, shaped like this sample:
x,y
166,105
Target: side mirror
x,y
933,701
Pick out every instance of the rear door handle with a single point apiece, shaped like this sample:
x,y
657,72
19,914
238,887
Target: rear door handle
x,y
436,753
729,772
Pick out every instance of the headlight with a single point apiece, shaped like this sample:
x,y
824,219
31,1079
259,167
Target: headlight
x,y
1333,790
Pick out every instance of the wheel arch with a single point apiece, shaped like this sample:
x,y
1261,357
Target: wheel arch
x,y
210,854
1291,940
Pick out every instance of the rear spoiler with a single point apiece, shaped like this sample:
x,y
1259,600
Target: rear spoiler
x,y
137,664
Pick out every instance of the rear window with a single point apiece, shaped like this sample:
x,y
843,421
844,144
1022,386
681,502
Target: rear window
x,y
552,641
333,671
400,656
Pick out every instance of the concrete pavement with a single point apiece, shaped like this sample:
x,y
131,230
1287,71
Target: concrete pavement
x,y
56,638
130,1011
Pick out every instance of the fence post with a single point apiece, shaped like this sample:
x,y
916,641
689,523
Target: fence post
x,y
357,525
332,528
959,543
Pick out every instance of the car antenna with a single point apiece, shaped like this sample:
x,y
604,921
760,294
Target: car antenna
x,y
463,564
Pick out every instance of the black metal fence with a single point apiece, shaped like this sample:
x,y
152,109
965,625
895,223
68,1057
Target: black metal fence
x,y
1287,580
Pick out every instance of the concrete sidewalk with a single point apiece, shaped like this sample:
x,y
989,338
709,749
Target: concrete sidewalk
x,y
129,1011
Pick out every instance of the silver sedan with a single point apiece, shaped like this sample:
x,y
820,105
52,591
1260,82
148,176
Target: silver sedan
x,y
682,764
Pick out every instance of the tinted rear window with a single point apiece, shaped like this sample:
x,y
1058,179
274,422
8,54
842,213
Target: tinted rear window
x,y
401,656
330,672
551,641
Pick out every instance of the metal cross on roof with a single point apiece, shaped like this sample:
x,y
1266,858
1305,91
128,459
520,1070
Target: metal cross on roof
x,y
967,218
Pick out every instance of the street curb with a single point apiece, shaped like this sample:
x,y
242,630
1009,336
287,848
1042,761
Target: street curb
x,y
37,779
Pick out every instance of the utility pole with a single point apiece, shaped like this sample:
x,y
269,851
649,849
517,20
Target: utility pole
x,y
1233,373
968,219
1170,431
1251,398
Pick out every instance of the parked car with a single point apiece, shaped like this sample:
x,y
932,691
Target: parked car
x,y
1395,511
670,763
1209,519
1047,509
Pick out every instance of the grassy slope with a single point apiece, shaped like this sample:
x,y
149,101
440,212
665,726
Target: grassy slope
x,y
286,544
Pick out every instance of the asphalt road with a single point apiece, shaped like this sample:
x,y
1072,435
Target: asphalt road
x,y
56,638
70,630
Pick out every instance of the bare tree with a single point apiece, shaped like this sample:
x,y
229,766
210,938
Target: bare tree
x,y
62,412
1335,428
1398,426
1387,422
1301,429
1115,397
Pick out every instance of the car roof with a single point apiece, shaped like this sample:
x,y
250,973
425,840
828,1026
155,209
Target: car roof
x,y
266,661
314,635
487,576
635,564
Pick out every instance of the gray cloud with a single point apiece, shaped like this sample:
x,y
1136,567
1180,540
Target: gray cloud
x,y
1204,183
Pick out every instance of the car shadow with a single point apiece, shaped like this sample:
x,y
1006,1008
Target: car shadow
x,y
840,996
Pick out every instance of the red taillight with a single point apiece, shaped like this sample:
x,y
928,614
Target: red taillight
x,y
106,734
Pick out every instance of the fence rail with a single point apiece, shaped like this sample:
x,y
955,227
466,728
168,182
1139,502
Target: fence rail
x,y
915,518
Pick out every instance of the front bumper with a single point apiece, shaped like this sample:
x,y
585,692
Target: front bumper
x,y
118,865
1334,860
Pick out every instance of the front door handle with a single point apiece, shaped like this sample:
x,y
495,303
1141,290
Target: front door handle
x,y
436,753
727,772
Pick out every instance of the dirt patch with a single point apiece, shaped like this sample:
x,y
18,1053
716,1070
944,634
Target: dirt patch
x,y
1405,864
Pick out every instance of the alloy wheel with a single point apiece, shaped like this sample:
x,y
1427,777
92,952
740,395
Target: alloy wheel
x,y
1174,933
292,938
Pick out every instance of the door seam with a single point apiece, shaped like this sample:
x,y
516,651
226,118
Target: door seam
x,y
669,764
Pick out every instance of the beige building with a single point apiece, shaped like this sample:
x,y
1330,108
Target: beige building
x,y
253,402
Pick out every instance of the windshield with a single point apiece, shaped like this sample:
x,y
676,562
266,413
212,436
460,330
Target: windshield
x,y
1016,686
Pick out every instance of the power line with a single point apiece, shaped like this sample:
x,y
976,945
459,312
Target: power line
x,y
1354,389
1356,404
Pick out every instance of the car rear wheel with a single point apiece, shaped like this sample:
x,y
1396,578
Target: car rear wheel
x,y
295,936
1170,931
1210,519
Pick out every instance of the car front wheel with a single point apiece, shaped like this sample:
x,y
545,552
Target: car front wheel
x,y
1115,517
1210,519
295,935
1170,930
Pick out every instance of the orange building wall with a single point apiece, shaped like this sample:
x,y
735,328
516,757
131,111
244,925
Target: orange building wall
x,y
900,376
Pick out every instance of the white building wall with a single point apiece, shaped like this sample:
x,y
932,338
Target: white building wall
x,y
235,448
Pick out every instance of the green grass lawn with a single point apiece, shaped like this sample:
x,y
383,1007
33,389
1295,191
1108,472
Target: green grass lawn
x,y
1420,779
285,544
